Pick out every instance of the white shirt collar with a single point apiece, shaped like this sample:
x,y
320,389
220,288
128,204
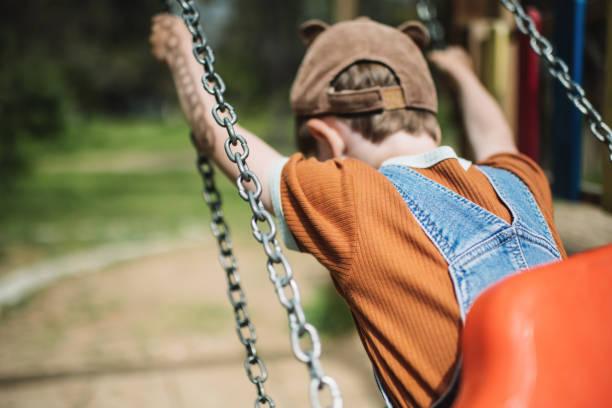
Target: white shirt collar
x,y
428,159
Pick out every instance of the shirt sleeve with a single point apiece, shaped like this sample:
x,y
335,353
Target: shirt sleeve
x,y
275,197
317,207
533,176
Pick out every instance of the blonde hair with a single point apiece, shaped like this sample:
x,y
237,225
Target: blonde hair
x,y
372,126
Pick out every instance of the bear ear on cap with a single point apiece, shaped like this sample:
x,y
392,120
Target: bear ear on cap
x,y
417,32
310,30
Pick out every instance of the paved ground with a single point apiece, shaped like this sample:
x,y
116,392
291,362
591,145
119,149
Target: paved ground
x,y
157,332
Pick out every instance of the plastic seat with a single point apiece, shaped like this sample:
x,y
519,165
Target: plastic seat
x,y
542,338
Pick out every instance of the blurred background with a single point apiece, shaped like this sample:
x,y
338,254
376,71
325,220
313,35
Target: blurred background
x,y
110,289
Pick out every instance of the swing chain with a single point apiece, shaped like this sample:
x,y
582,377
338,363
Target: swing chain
x,y
559,70
244,326
428,14
285,286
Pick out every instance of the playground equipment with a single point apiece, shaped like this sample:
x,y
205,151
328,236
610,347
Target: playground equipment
x,y
494,49
264,229
542,338
529,94
567,121
560,71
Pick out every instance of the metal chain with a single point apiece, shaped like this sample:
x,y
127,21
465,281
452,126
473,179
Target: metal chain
x,y
262,223
559,69
244,326
428,14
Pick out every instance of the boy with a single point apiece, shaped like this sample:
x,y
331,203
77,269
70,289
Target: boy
x,y
409,232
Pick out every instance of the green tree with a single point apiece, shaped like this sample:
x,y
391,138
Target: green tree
x,y
33,106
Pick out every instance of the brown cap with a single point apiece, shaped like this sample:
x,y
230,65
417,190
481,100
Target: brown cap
x,y
332,49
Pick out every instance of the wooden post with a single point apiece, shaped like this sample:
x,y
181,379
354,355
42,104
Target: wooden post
x,y
529,94
496,64
567,121
607,113
477,33
346,9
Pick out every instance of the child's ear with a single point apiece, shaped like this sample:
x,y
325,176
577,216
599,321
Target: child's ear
x,y
328,137
417,32
310,30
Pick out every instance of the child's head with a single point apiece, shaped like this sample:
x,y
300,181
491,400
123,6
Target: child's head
x,y
371,76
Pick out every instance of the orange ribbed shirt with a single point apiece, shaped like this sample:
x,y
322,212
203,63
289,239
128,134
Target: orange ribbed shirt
x,y
396,283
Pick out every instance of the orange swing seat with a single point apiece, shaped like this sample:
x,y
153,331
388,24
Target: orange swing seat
x,y
542,338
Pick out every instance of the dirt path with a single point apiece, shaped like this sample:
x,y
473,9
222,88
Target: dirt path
x,y
158,331
22,282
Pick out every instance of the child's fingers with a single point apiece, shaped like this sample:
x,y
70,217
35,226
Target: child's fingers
x,y
161,32
437,58
157,41
167,20
159,17
450,58
162,23
168,35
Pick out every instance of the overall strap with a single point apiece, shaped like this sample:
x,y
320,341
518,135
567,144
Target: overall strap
x,y
460,229
431,204
526,213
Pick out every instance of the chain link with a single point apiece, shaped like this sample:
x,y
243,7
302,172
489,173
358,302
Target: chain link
x,y
428,14
284,284
244,326
559,70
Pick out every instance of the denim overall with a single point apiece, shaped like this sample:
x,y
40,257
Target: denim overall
x,y
479,247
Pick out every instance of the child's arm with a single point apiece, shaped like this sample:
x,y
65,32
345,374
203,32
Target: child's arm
x,y
488,132
172,43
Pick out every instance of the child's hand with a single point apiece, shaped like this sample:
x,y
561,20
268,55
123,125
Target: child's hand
x,y
168,36
452,62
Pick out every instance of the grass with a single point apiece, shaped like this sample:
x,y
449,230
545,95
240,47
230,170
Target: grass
x,y
107,180
329,313
103,134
